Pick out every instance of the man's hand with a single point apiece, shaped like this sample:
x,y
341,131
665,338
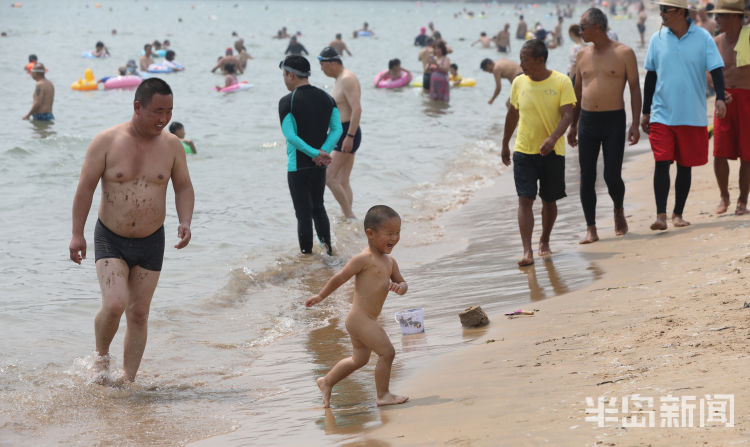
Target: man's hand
x,y
505,154
633,134
573,136
347,145
720,109
323,159
548,145
645,119
78,249
183,232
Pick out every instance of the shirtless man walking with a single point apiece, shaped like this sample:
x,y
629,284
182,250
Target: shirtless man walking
x,y
731,134
135,161
501,68
347,93
601,71
44,96
340,45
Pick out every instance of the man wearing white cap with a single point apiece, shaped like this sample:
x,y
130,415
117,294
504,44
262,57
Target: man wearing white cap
x,y
44,96
678,57
731,138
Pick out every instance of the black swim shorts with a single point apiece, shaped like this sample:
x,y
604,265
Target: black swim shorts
x,y
147,252
357,138
549,171
426,81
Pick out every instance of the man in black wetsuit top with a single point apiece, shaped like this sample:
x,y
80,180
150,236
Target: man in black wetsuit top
x,y
311,125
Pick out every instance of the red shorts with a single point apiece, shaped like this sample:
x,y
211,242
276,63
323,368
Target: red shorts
x,y
687,145
732,133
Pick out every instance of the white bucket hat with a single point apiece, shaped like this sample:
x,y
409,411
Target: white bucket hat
x,y
683,4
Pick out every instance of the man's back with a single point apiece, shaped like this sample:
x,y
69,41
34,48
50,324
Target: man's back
x,y
46,95
311,109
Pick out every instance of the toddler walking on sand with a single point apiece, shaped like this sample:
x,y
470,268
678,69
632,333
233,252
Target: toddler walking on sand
x,y
376,274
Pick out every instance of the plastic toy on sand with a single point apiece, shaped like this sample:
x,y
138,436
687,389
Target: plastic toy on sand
x,y
411,320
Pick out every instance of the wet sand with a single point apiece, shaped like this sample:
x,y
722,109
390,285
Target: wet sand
x,y
668,316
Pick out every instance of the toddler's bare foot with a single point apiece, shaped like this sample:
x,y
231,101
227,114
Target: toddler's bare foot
x,y
678,221
391,399
741,209
591,235
621,224
325,390
660,223
721,208
544,249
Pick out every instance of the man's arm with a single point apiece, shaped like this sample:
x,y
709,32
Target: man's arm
x,y
649,87
289,129
352,94
548,145
184,196
498,86
37,104
91,172
511,121
578,89
634,83
347,50
334,131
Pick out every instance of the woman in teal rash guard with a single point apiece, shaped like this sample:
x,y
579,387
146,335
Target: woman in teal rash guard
x,y
311,125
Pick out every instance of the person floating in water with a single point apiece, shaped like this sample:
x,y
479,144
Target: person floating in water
x,y
178,129
376,273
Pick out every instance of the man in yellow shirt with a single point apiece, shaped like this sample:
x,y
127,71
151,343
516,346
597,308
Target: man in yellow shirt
x,y
542,103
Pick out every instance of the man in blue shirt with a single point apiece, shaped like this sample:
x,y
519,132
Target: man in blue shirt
x,y
311,125
674,103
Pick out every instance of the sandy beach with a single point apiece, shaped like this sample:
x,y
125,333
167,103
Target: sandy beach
x,y
669,316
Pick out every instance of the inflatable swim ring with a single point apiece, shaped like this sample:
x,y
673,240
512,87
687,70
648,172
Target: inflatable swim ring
x,y
87,83
91,55
362,33
157,53
234,88
128,81
156,68
392,83
465,82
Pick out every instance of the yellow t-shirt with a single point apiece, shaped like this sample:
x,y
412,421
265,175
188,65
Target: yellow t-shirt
x,y
743,47
538,104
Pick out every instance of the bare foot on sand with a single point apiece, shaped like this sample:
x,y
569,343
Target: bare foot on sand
x,y
528,259
391,399
678,221
660,223
741,209
591,235
723,205
326,390
544,249
621,224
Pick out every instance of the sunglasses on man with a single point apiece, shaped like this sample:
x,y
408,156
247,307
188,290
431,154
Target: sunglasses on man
x,y
667,9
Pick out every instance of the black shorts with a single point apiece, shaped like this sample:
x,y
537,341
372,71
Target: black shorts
x,y
641,28
147,252
549,171
502,49
357,138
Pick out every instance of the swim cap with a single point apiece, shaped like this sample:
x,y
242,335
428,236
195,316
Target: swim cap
x,y
329,54
228,51
297,65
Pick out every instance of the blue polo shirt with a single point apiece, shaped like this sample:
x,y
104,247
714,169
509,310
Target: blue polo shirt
x,y
680,66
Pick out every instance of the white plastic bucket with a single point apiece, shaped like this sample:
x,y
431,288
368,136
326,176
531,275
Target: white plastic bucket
x,y
411,320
